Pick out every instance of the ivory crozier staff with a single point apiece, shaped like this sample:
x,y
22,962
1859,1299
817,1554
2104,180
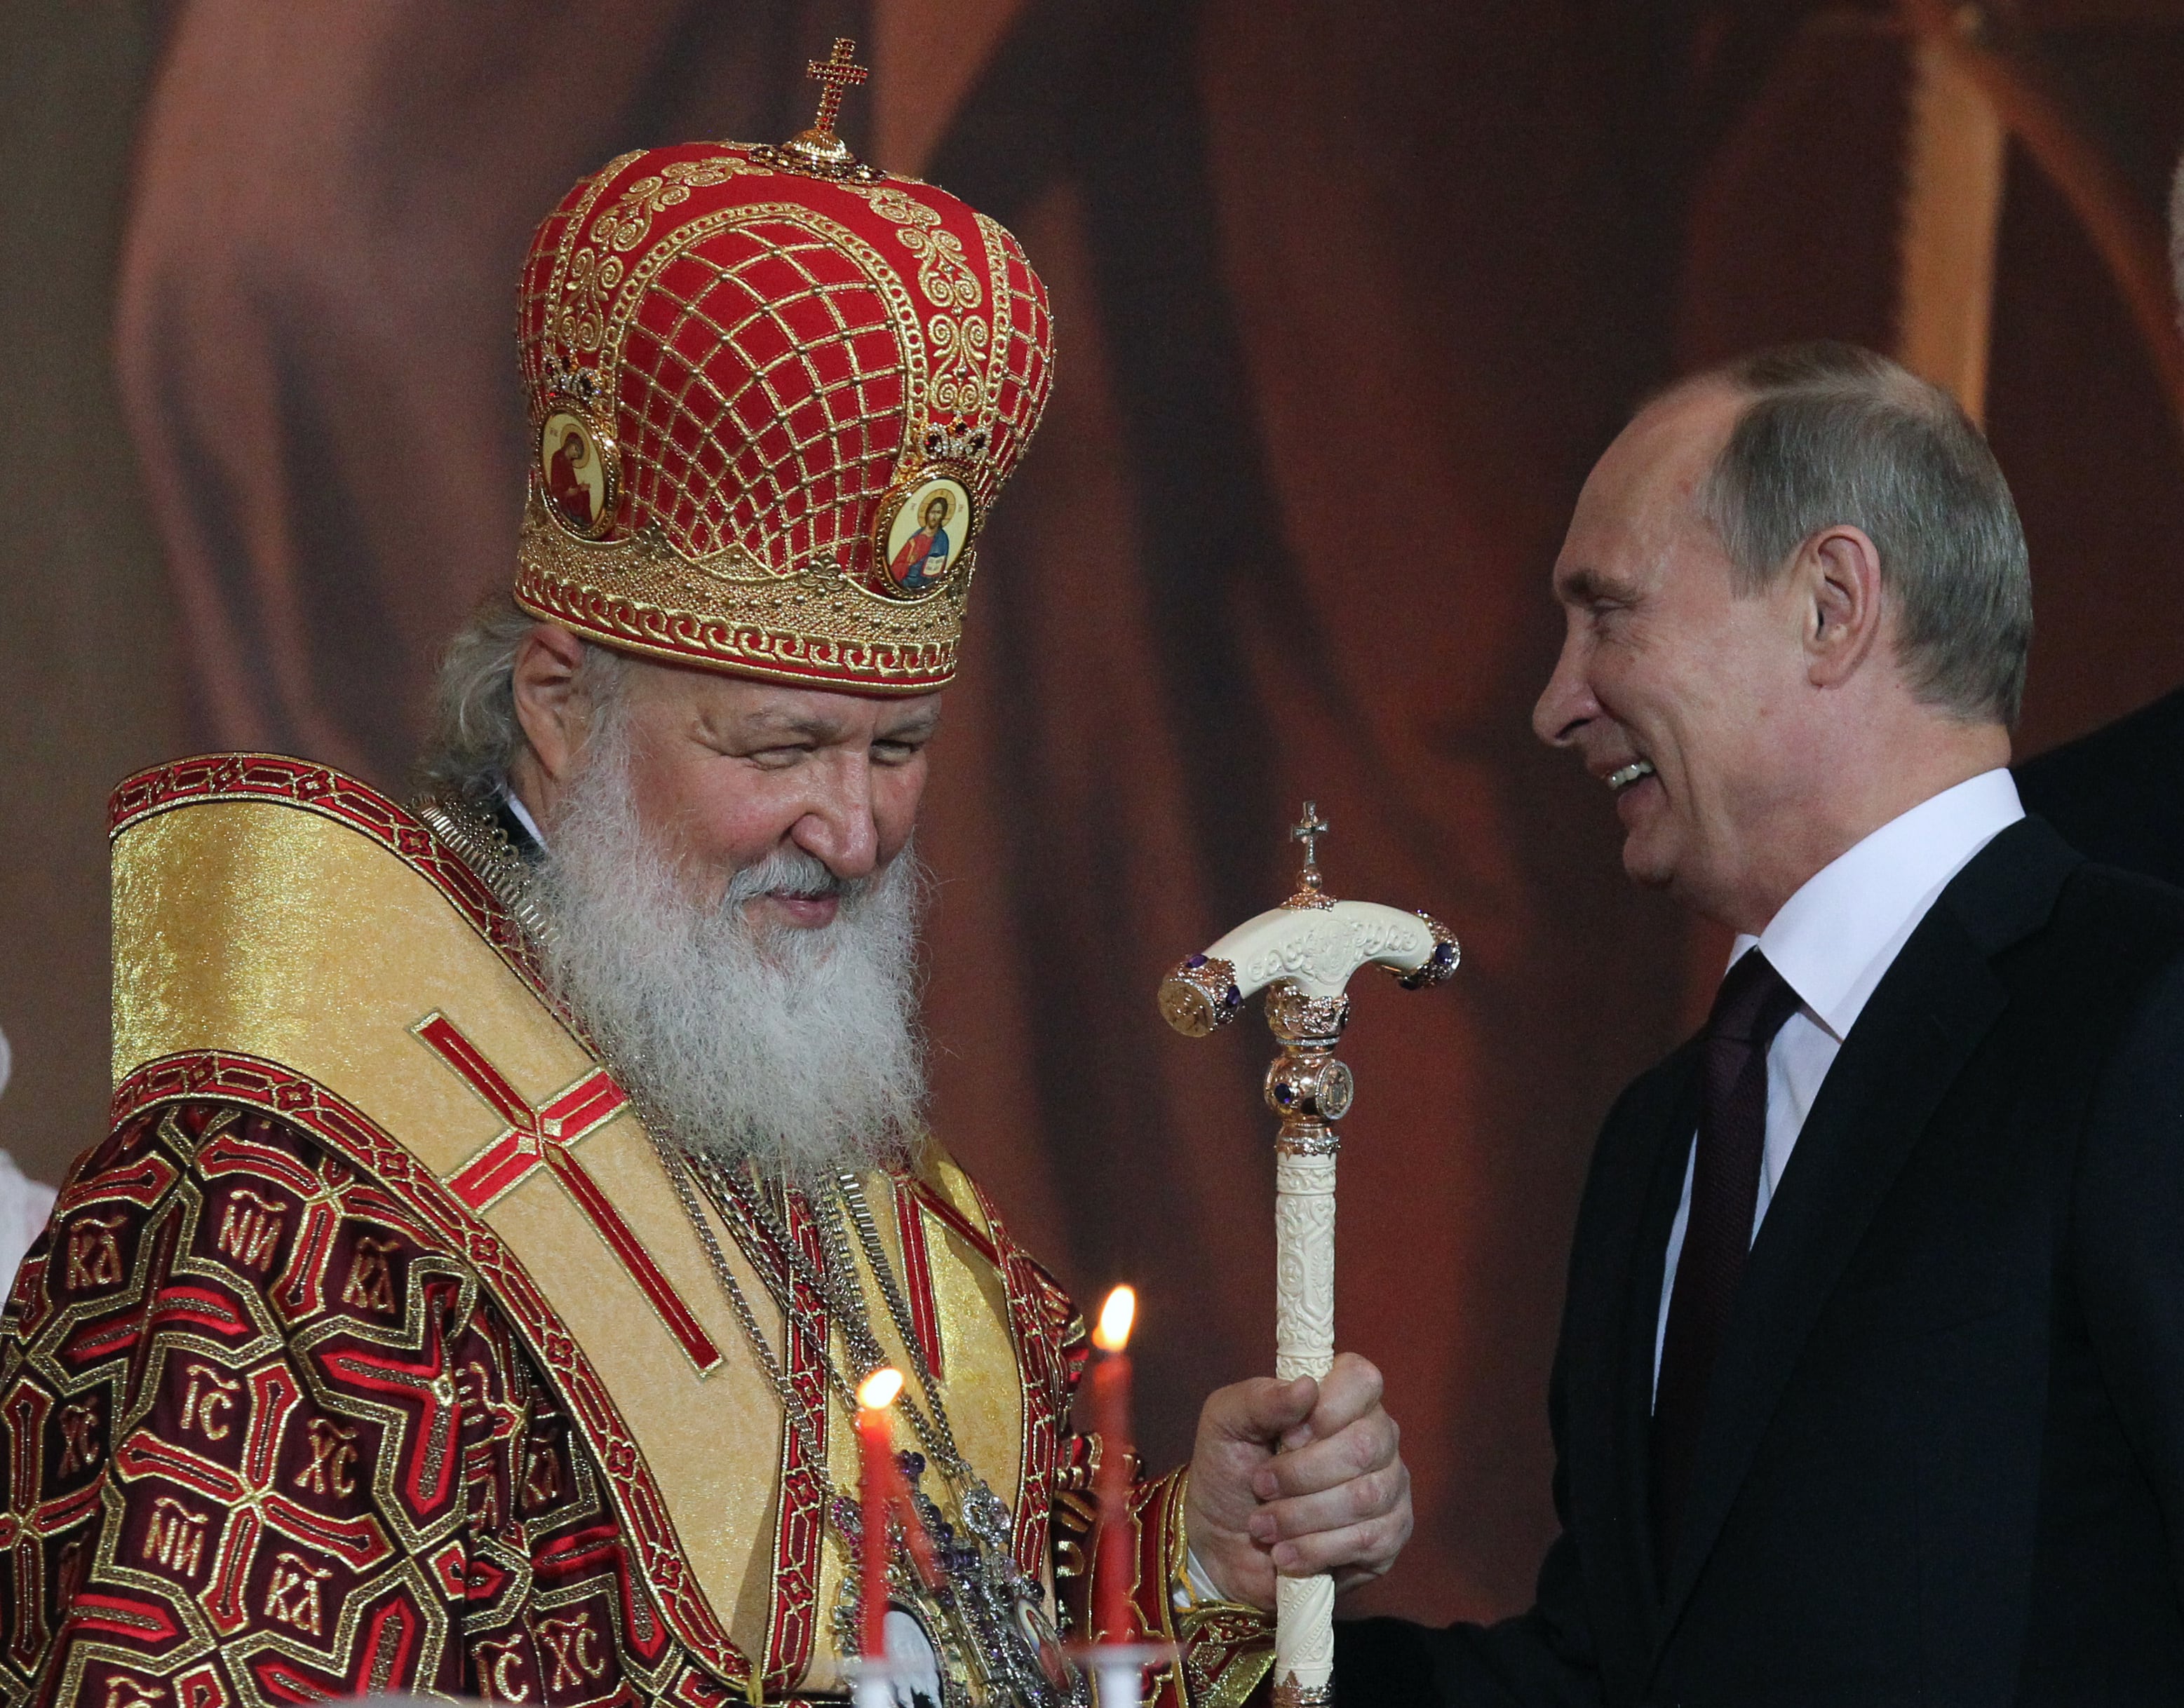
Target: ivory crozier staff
x,y
1303,954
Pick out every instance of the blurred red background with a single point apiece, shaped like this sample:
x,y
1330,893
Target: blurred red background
x,y
1348,302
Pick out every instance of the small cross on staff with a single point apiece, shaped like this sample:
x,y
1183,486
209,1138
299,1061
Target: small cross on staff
x,y
836,76
1309,830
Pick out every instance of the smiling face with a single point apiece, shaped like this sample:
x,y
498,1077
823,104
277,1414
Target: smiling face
x,y
726,771
732,899
1680,695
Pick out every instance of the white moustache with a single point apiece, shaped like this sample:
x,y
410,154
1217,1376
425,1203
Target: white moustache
x,y
797,1048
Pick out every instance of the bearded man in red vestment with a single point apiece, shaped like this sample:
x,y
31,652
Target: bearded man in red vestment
x,y
507,1194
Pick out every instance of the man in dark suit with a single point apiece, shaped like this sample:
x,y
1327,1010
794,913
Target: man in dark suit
x,y
1870,1387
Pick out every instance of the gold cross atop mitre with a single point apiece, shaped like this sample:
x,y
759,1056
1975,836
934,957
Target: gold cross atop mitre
x,y
819,151
836,75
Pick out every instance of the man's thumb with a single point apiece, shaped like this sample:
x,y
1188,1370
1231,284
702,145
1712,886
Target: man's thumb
x,y
1270,1409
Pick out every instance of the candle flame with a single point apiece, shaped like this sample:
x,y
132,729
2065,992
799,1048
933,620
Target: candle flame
x,y
1116,1316
880,1389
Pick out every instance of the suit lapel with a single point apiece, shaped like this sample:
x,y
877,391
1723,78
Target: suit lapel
x,y
1929,1015
1607,1359
1641,1328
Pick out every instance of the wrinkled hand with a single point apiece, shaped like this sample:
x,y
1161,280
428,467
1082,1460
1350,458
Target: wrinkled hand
x,y
1336,1499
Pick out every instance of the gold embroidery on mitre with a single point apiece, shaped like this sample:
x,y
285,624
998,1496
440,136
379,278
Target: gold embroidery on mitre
x,y
596,270
644,475
1001,248
729,609
876,275
961,343
723,565
624,227
558,328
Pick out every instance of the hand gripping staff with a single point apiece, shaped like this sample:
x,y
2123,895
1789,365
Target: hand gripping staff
x,y
1303,955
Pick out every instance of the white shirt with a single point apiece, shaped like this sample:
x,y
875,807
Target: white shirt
x,y
1832,942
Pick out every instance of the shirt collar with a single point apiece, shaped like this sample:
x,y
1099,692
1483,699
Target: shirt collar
x,y
1834,939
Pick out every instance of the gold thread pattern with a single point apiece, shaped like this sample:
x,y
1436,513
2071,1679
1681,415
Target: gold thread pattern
x,y
641,594
770,358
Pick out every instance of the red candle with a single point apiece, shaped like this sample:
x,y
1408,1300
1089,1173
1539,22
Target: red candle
x,y
1113,1569
876,1438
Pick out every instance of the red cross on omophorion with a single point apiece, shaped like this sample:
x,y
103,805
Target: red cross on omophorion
x,y
544,1136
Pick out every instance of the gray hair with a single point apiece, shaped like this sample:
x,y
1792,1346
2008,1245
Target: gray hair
x,y
1833,435
476,737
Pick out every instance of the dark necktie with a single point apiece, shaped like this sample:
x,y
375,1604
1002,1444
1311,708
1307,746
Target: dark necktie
x,y
1748,1011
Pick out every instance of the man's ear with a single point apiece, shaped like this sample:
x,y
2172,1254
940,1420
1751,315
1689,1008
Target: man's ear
x,y
1838,573
548,705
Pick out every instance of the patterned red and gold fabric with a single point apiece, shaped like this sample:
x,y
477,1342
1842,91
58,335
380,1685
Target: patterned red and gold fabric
x,y
770,409
266,1440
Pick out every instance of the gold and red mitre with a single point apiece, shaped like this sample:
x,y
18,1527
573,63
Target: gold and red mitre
x,y
773,392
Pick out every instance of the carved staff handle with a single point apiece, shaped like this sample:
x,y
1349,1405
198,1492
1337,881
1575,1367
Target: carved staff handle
x,y
1303,954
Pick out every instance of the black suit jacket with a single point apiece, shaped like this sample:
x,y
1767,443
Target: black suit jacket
x,y
1943,1457
2117,795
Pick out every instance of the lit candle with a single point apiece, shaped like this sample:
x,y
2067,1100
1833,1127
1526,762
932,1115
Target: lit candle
x,y
876,1437
1113,1567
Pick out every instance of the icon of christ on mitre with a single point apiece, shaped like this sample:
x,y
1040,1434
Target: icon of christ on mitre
x,y
506,1194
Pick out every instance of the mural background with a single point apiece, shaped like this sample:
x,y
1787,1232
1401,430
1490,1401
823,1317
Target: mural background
x,y
1344,313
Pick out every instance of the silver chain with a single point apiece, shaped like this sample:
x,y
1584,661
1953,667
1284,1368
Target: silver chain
x,y
792,1403
852,1190
843,1300
830,1278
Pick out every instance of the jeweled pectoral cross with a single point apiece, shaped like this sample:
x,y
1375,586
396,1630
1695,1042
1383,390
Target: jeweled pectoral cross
x,y
836,76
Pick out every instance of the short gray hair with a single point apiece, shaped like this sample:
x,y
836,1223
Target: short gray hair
x,y
476,737
1832,434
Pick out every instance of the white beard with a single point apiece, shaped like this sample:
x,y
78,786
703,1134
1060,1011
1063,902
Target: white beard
x,y
797,1050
